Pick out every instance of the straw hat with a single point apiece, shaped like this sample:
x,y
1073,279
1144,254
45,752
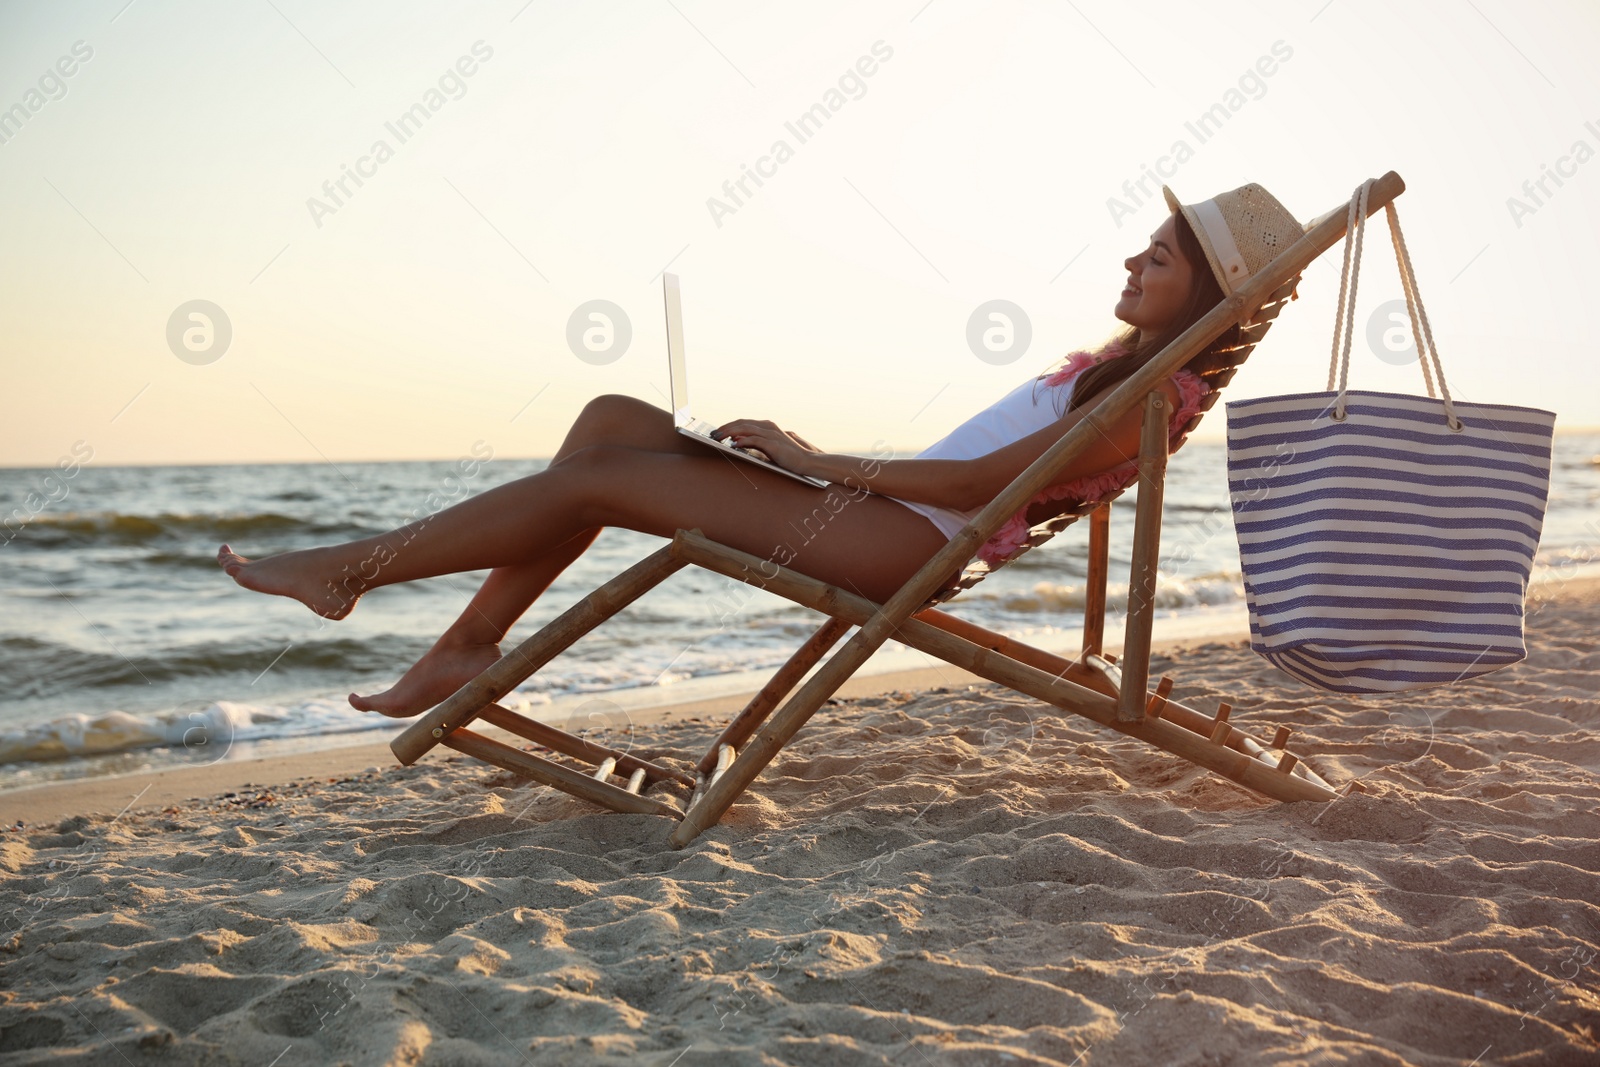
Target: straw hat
x,y
1241,231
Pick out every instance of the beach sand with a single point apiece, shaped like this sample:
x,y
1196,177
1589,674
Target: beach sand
x,y
951,875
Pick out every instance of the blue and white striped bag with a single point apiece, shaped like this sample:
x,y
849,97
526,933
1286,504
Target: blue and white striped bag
x,y
1386,540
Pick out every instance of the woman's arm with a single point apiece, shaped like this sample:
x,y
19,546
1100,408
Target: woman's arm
x,y
962,484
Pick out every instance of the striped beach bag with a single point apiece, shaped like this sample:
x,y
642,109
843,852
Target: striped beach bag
x,y
1386,540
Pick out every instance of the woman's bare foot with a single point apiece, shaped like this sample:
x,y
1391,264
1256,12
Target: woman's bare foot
x,y
305,575
431,680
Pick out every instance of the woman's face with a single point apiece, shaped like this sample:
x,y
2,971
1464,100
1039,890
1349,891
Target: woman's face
x,y
1158,282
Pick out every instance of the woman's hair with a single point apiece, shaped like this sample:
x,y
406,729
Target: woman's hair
x,y
1141,348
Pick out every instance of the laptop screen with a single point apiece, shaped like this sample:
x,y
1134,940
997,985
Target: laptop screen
x,y
675,364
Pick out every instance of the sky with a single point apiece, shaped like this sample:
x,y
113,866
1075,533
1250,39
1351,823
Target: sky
x,y
185,280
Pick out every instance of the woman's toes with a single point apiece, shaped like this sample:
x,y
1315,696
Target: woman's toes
x,y
390,702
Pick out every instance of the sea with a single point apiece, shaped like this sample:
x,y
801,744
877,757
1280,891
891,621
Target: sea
x,y
124,648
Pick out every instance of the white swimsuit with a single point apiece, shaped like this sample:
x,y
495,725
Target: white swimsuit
x,y
1011,418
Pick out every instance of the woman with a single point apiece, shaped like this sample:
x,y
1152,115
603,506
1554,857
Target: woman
x,y
623,464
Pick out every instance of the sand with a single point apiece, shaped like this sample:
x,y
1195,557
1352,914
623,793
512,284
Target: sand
x,y
950,875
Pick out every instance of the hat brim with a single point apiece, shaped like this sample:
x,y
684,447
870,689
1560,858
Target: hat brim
x,y
1212,259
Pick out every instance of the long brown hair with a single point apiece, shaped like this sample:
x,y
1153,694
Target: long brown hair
x,y
1142,347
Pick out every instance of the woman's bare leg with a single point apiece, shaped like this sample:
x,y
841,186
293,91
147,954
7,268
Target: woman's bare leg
x,y
530,529
846,537
857,540
472,642
610,419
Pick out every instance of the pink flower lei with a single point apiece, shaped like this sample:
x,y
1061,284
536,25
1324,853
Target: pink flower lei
x,y
1081,361
1010,538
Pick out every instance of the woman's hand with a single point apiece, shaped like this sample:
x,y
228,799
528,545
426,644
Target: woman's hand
x,y
788,450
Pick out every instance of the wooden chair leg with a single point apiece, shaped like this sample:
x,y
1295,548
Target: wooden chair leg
x,y
1146,559
755,713
1094,586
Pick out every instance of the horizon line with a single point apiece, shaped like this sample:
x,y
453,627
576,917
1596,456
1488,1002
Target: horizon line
x,y
1211,438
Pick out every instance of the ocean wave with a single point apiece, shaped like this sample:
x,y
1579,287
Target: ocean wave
x,y
1172,593
32,667
1070,560
1564,557
90,529
205,732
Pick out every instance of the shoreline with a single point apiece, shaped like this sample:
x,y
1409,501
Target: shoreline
x,y
48,463
165,787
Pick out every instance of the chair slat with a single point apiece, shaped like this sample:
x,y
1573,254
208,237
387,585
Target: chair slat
x,y
471,743
576,747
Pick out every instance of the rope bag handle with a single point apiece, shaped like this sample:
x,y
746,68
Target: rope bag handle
x,y
1345,313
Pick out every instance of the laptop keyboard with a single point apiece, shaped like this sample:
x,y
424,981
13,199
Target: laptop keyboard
x,y
705,429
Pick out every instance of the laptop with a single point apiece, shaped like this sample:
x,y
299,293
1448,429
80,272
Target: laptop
x,y
686,424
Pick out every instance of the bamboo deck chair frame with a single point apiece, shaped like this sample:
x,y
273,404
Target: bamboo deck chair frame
x,y
1095,685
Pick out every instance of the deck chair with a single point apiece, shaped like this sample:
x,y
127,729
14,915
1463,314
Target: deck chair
x,y
1095,685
